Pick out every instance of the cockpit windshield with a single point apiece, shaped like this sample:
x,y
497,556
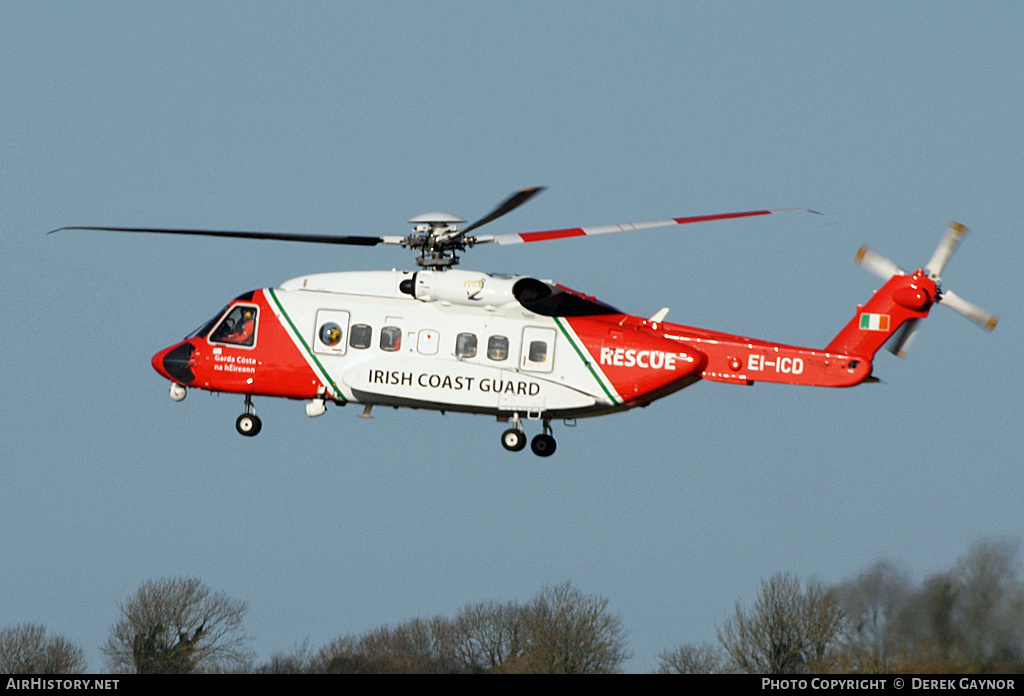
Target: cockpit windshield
x,y
205,328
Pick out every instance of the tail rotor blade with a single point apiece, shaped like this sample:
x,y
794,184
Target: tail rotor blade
x,y
976,314
903,338
877,264
950,241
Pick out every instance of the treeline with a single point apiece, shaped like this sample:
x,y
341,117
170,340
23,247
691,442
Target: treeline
x,y
560,631
967,619
180,626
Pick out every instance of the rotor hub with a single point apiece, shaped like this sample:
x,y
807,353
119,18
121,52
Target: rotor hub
x,y
437,237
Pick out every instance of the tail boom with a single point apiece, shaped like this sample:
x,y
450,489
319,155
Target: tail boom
x,y
740,360
844,362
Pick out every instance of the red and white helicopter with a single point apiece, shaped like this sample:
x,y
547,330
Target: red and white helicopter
x,y
513,347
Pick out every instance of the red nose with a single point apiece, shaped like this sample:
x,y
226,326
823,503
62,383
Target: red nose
x,y
175,363
158,363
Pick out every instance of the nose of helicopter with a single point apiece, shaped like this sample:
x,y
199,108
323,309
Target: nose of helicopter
x,y
175,362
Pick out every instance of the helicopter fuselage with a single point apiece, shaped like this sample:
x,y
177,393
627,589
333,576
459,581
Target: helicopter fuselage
x,y
459,341
506,346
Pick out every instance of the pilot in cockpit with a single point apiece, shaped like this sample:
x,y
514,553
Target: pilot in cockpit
x,y
238,327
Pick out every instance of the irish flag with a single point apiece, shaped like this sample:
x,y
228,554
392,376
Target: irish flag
x,y
874,322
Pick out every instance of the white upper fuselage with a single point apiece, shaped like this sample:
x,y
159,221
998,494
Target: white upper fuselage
x,y
456,340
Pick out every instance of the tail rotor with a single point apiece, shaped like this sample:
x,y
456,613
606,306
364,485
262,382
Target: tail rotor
x,y
886,269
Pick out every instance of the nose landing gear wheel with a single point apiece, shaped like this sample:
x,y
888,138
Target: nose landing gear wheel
x,y
543,445
248,425
513,440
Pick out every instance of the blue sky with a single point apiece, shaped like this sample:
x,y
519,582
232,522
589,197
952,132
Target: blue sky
x,y
350,118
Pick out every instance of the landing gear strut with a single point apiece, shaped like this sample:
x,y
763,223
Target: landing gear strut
x,y
514,439
249,424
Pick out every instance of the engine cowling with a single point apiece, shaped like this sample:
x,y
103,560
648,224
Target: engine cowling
x,y
460,287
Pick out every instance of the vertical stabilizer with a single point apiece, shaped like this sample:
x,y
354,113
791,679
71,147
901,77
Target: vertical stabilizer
x,y
902,299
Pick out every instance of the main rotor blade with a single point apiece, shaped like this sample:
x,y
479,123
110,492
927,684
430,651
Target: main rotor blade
x,y
877,264
524,237
976,314
280,236
507,206
950,241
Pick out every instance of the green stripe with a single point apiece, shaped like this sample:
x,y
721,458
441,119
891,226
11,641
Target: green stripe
x,y
583,357
309,352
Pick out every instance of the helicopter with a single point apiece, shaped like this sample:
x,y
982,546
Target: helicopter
x,y
513,347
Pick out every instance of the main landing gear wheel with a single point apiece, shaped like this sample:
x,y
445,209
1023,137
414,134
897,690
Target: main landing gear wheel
x,y
513,440
248,425
543,445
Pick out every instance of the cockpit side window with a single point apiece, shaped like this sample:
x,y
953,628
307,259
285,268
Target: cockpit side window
x,y
238,327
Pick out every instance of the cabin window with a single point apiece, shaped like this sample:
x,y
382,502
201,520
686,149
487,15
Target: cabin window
x,y
330,334
238,327
360,336
538,351
331,325
465,345
390,338
497,348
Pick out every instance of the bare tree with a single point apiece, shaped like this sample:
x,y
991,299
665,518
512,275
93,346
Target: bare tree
x,y
569,632
788,631
876,604
560,631
824,621
990,611
178,626
692,659
415,647
296,662
969,618
26,649
487,635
